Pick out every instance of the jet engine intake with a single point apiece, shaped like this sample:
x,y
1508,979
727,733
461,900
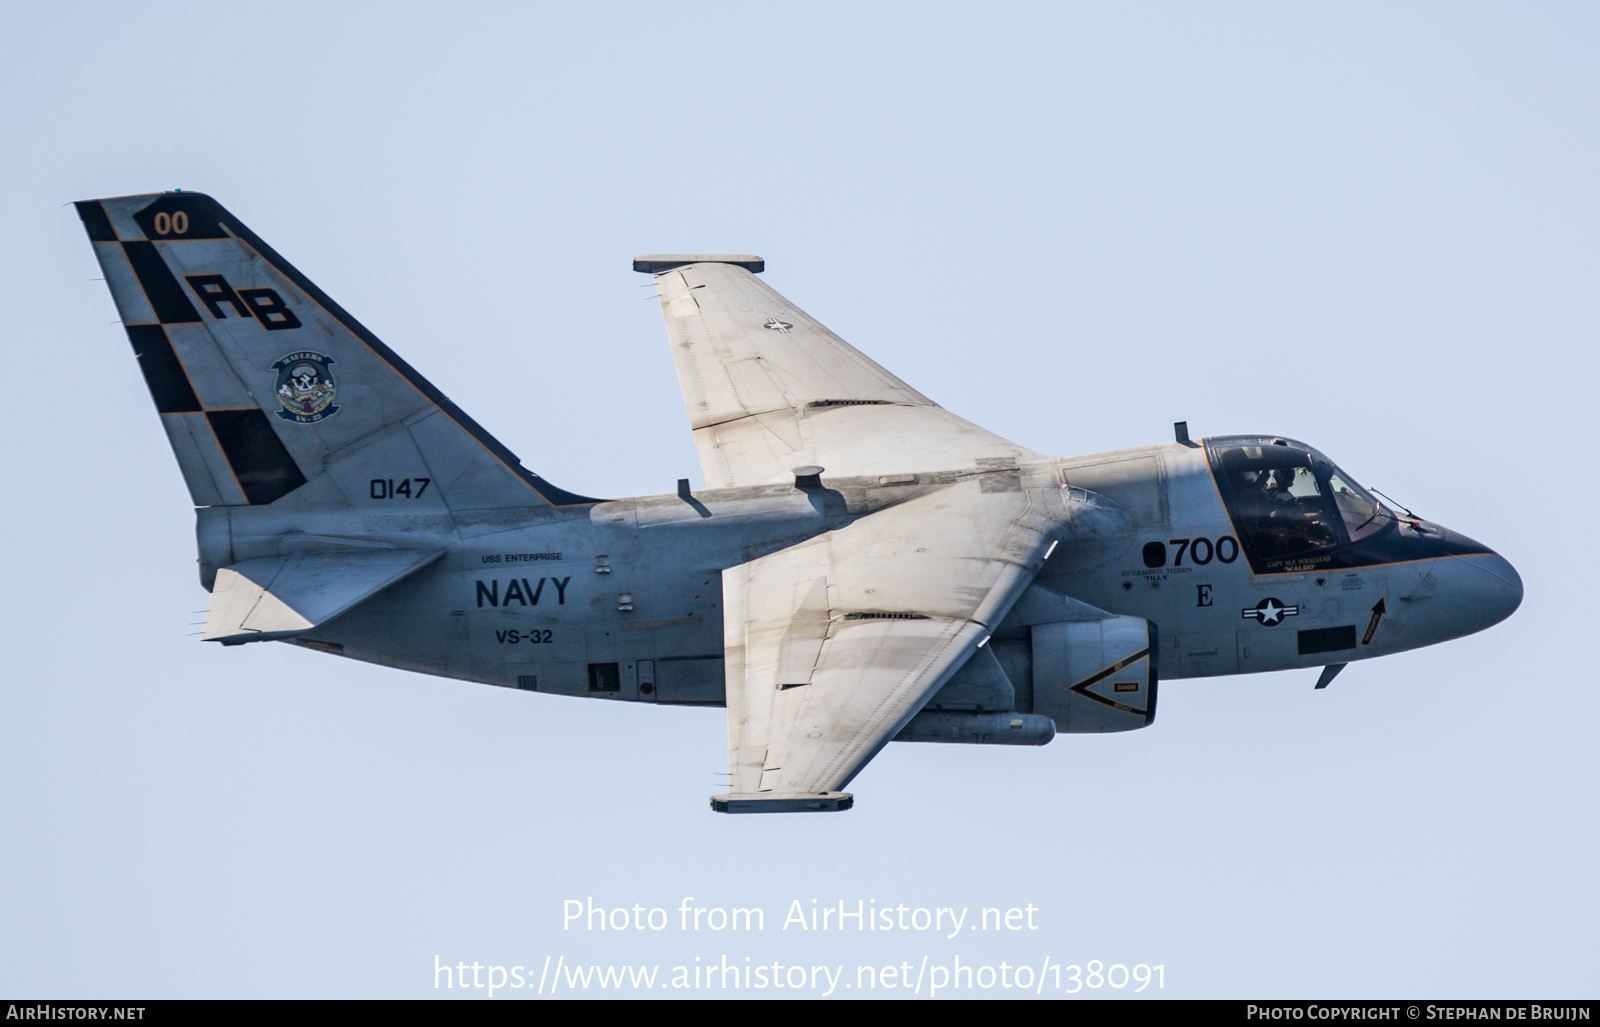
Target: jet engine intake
x,y
1095,675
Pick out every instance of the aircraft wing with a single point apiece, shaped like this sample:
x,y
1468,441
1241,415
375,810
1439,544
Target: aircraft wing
x,y
769,389
834,644
277,597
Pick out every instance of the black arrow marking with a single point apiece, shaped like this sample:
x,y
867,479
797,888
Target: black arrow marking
x,y
1378,610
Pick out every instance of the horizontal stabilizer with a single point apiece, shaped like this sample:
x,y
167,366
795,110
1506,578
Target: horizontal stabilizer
x,y
283,596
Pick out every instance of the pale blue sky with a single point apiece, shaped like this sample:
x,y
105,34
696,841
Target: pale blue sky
x,y
1368,226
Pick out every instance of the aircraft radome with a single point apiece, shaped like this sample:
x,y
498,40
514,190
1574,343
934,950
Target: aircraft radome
x,y
863,567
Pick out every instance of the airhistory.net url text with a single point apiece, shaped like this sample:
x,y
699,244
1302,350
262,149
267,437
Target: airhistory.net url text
x,y
925,977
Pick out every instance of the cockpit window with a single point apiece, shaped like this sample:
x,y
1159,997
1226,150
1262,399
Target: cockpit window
x,y
1362,514
1279,502
1294,512
1289,503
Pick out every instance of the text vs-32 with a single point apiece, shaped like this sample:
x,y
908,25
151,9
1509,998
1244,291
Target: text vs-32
x,y
535,637
398,488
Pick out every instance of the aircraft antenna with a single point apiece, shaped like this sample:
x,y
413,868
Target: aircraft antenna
x,y
1396,502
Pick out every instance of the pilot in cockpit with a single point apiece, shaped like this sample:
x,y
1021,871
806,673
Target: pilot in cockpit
x,y
1280,501
1279,480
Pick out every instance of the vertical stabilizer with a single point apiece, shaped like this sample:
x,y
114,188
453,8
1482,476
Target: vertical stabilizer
x,y
268,389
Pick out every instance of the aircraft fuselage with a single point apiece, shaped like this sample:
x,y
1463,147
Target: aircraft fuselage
x,y
623,600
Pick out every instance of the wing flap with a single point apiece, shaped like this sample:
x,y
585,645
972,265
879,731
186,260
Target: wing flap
x,y
284,596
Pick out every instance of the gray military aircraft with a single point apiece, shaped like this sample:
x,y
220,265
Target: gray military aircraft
x,y
864,566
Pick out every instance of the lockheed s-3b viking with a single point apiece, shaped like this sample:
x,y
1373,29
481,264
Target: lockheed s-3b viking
x,y
863,566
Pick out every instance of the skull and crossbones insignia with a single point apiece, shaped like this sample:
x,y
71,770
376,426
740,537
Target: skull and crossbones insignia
x,y
305,387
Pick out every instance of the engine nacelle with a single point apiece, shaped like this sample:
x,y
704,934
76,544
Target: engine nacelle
x,y
1095,675
978,728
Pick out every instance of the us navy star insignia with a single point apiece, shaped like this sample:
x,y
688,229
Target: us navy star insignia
x,y
1270,612
774,325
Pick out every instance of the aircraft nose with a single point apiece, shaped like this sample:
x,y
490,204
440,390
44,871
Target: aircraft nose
x,y
1494,586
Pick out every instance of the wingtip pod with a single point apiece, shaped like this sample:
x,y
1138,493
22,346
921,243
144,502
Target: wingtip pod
x,y
655,263
776,802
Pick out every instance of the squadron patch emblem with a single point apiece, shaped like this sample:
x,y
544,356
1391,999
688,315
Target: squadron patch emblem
x,y
305,387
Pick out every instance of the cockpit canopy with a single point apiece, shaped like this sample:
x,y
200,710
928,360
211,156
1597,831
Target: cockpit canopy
x,y
1289,502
